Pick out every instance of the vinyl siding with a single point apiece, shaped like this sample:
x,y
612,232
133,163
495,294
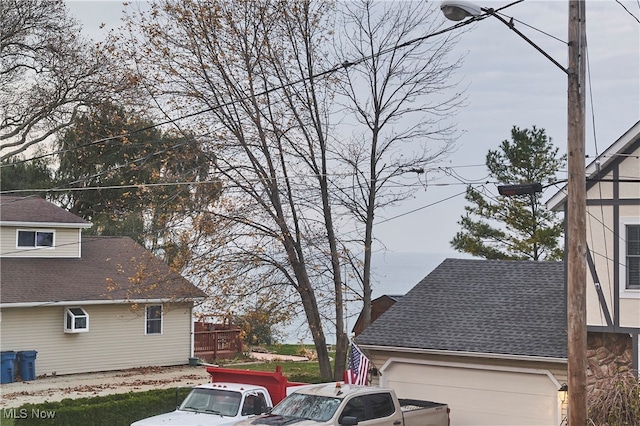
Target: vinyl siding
x,y
605,244
600,240
629,170
66,243
116,338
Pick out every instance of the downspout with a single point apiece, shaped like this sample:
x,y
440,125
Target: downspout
x,y
635,345
192,332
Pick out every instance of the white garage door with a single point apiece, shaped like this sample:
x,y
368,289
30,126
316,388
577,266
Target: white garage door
x,y
477,395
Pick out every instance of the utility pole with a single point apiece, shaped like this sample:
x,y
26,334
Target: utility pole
x,y
575,217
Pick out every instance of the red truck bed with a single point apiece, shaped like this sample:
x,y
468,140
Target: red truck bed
x,y
274,382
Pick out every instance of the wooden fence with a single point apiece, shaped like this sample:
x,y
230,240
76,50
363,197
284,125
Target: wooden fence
x,y
215,341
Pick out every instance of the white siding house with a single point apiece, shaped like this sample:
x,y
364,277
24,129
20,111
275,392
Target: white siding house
x,y
87,304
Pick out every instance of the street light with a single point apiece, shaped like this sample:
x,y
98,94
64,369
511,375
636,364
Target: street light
x,y
520,189
576,206
459,10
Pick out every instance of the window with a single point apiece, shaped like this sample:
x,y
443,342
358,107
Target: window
x,y
354,408
154,319
381,405
310,407
633,257
369,407
76,320
254,404
35,239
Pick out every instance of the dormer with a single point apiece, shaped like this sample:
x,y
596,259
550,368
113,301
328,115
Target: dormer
x,y
33,227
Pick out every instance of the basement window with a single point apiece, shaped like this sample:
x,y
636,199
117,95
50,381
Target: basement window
x,y
76,320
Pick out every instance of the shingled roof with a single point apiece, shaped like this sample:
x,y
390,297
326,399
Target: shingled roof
x,y
110,269
481,306
34,209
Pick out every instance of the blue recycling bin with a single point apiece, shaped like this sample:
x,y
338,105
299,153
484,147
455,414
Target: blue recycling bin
x,y
7,359
27,364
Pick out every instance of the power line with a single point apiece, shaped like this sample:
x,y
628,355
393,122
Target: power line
x,y
345,64
628,11
421,208
534,28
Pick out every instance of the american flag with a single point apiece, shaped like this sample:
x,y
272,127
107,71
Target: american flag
x,y
358,372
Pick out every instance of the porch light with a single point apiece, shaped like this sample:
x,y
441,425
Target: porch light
x,y
564,389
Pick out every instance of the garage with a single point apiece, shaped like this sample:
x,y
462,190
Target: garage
x,y
479,394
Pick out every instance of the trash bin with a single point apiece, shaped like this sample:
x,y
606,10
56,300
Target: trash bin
x,y
27,365
8,358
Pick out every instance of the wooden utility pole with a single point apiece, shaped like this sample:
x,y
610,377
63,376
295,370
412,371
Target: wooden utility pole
x,y
576,213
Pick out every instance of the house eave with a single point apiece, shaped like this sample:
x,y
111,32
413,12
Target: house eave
x,y
463,354
72,225
556,202
98,302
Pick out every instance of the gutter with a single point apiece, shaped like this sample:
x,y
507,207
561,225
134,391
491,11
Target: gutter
x,y
463,354
97,302
47,224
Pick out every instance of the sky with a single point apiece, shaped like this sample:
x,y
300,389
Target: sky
x,y
508,83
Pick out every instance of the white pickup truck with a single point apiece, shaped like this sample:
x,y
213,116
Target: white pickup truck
x,y
233,395
215,404
342,404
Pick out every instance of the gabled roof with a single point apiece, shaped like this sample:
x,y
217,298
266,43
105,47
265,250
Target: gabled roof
x,y
22,211
111,269
626,144
480,306
379,305
394,297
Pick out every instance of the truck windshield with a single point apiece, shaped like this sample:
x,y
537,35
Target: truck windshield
x,y
311,407
214,401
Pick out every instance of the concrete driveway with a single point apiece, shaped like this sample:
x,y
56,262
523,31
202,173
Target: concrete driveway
x,y
57,388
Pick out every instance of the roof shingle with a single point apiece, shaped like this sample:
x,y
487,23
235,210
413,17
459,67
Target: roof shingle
x,y
34,209
482,306
111,268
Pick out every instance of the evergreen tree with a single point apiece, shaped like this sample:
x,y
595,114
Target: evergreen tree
x,y
515,227
17,174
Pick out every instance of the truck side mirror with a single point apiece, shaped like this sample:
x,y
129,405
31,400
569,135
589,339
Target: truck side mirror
x,y
349,421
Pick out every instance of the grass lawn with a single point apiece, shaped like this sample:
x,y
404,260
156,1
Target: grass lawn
x,y
295,371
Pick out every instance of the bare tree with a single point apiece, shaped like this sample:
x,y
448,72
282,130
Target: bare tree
x,y
255,80
227,58
47,72
399,97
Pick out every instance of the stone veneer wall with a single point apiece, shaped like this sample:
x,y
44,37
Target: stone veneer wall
x,y
607,355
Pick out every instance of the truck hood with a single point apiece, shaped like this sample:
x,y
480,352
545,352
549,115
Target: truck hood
x,y
274,420
187,418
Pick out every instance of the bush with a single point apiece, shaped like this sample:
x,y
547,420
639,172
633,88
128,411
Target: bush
x,y
616,402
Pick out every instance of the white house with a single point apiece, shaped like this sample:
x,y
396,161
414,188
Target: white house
x,y
89,303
